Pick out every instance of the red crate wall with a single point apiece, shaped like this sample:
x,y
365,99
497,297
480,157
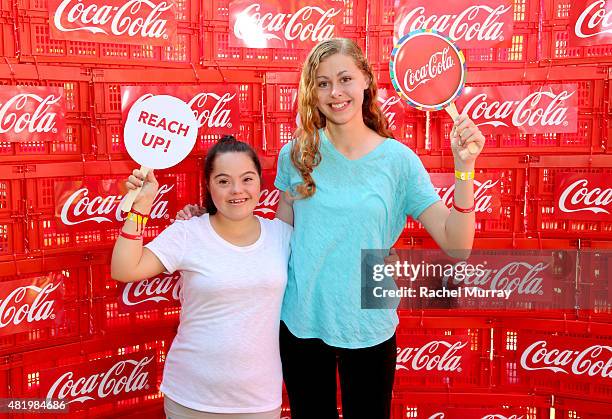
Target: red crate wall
x,y
543,221
510,332
92,74
44,234
37,44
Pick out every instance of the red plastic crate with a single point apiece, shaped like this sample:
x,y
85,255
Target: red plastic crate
x,y
556,45
282,92
511,378
11,238
468,405
73,146
522,51
73,324
36,43
27,368
474,331
46,235
580,408
108,94
595,285
7,35
218,52
278,133
588,138
186,11
107,318
381,14
542,220
353,12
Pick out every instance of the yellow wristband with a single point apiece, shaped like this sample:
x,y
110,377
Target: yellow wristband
x,y
138,219
464,175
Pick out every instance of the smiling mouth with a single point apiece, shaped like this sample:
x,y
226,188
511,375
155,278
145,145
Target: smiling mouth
x,y
339,106
238,201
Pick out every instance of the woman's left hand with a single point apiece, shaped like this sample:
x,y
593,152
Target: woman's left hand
x,y
465,132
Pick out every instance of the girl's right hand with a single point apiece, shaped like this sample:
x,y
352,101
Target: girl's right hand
x,y
146,196
190,211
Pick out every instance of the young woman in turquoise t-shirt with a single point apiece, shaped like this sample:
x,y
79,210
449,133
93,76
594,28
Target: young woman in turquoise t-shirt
x,y
350,186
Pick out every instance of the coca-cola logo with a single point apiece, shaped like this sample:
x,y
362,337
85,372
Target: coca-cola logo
x,y
592,361
516,277
475,23
442,415
80,208
144,20
123,377
15,308
268,201
437,355
483,195
521,113
388,108
165,287
578,196
31,113
260,29
437,64
595,19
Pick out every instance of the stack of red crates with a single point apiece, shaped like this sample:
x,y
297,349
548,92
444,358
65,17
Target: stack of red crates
x,y
94,330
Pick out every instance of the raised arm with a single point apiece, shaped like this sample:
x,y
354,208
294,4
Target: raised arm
x,y
131,262
453,230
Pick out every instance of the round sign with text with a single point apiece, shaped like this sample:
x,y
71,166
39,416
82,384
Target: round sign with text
x,y
427,70
160,131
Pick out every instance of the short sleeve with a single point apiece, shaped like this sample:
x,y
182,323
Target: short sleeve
x,y
285,231
283,168
170,246
419,192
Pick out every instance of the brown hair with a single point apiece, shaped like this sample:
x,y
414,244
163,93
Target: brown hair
x,y
305,154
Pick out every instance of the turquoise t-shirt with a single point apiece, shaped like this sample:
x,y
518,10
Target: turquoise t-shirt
x,y
359,204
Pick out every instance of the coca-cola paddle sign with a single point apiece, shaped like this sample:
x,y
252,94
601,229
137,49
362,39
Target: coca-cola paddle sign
x,y
428,71
159,132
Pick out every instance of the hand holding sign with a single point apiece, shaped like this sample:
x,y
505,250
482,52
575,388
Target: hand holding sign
x,y
428,72
159,132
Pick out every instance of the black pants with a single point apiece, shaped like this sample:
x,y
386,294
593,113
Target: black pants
x,y
309,370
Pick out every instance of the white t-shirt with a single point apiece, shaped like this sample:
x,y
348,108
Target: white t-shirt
x,y
225,357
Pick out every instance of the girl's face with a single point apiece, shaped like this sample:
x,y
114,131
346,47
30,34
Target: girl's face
x,y
340,86
234,185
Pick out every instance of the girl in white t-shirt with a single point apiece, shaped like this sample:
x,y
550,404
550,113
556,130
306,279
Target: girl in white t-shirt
x,y
224,361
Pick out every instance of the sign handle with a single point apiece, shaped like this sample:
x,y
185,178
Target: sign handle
x,y
126,204
454,114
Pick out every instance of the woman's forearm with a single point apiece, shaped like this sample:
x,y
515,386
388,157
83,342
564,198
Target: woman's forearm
x,y
460,226
127,252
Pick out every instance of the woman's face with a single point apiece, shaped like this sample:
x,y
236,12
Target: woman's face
x,y
234,185
340,86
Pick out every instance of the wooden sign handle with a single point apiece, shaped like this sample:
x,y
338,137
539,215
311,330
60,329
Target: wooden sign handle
x,y
126,204
454,114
